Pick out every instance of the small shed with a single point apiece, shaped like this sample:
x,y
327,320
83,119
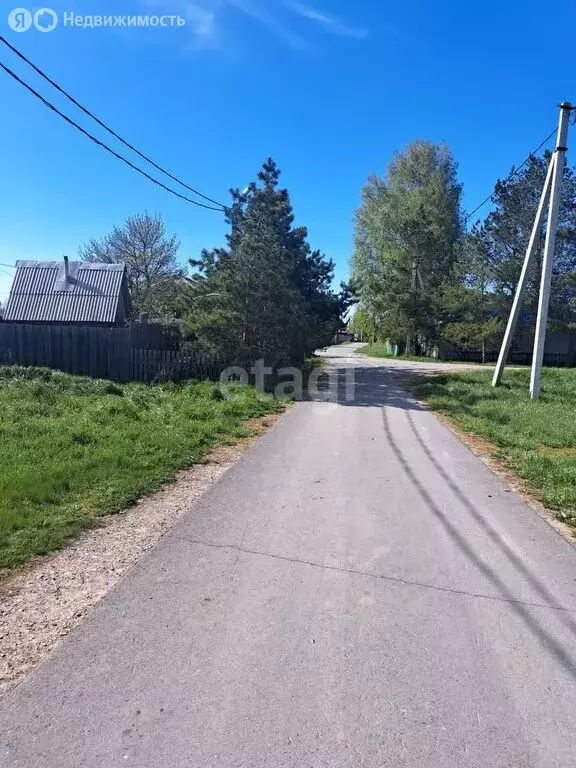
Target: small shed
x,y
68,293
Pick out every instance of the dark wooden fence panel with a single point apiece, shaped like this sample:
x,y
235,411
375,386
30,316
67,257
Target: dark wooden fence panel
x,y
120,354
154,336
167,365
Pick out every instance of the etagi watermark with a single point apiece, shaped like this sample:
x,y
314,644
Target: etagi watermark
x,y
326,385
46,20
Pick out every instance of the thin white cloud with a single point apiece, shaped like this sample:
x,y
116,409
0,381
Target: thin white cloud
x,y
258,11
328,22
203,22
208,20
200,18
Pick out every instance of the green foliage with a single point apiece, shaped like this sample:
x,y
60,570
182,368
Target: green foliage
x,y
406,232
73,449
502,239
536,439
470,310
271,294
471,334
362,323
420,280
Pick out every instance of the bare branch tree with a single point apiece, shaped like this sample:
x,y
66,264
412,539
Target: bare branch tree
x,y
150,256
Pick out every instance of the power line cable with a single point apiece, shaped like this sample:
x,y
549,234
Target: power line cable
x,y
101,143
513,173
103,124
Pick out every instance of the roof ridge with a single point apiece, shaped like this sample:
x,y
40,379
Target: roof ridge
x,y
103,265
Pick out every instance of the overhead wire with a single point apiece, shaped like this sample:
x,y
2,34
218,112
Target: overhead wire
x,y
103,145
513,173
103,124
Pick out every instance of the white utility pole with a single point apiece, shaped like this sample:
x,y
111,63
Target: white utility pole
x,y
548,260
551,189
530,252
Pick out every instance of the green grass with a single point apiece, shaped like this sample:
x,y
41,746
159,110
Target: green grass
x,y
73,449
380,350
537,440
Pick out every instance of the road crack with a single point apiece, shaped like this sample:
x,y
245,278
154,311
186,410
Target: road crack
x,y
377,576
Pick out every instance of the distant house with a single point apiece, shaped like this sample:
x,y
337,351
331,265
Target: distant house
x,y
68,293
343,335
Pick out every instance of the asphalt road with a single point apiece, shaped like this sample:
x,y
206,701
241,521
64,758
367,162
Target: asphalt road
x,y
359,590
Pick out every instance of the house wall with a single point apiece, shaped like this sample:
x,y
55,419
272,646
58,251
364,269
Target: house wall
x,y
121,311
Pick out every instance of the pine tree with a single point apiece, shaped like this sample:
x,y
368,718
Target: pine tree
x,y
501,242
274,297
470,310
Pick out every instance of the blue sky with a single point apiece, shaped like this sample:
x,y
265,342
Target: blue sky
x,y
328,88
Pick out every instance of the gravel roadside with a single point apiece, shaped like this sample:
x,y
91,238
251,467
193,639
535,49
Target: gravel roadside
x,y
42,602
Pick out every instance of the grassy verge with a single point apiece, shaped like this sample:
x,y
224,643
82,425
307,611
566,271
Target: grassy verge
x,y
311,363
537,440
74,449
380,350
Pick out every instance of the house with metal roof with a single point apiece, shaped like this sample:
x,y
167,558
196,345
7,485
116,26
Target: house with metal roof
x,y
68,293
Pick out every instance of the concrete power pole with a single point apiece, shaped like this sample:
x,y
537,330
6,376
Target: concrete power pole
x,y
551,189
528,259
548,261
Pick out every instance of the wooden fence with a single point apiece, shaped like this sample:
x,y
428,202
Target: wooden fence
x,y
167,365
120,354
559,360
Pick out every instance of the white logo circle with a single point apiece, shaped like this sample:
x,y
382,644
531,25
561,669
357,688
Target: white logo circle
x,y
45,20
20,20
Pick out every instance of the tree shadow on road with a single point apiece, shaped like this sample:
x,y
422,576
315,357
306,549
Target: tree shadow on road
x,y
380,387
367,387
399,398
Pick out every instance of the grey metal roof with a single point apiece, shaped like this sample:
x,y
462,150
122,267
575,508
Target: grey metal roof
x,y
40,292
